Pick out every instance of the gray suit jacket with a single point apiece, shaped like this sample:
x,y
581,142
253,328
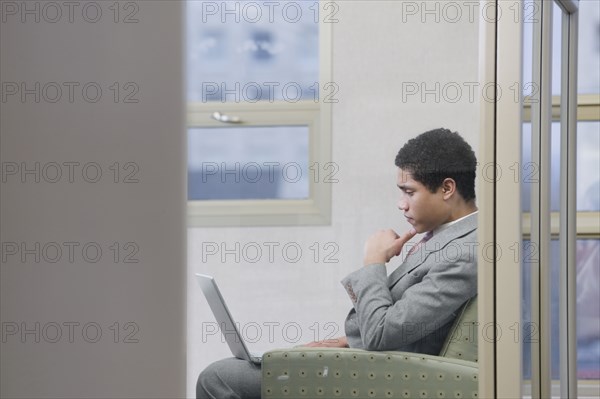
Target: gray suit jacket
x,y
413,309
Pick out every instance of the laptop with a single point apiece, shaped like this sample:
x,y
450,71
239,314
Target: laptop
x,y
219,308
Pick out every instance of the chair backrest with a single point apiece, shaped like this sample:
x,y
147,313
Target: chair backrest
x,y
461,342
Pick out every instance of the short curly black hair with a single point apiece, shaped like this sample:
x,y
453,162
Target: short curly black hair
x,y
436,155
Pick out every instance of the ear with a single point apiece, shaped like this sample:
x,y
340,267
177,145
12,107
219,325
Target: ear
x,y
448,188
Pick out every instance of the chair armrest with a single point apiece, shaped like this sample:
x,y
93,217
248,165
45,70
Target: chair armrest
x,y
354,373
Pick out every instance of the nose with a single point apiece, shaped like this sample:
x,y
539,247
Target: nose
x,y
402,204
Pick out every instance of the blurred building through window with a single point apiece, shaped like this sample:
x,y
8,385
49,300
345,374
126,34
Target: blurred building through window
x,y
244,53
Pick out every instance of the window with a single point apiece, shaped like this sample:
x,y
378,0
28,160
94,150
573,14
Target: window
x,y
259,112
588,196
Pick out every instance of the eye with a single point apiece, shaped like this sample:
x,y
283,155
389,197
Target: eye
x,y
406,191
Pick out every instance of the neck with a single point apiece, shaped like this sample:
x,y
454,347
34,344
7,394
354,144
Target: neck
x,y
462,209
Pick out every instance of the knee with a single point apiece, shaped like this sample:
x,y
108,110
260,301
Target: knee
x,y
229,379
206,380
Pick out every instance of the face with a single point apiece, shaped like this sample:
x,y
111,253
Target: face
x,y
423,209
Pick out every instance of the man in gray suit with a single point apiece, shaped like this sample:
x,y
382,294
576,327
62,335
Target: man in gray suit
x,y
412,309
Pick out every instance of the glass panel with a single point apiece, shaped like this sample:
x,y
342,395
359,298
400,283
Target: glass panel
x,y
588,76
526,178
588,165
528,8
530,174
530,330
532,13
588,199
555,195
557,14
252,51
248,163
588,309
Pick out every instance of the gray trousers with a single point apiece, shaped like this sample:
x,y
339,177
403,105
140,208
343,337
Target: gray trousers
x,y
229,379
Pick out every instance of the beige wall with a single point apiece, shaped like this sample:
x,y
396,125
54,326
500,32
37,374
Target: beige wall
x,y
79,297
375,57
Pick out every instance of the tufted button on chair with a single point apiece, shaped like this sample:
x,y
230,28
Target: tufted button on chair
x,y
352,373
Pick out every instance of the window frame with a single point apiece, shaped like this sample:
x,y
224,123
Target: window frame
x,y
587,226
316,115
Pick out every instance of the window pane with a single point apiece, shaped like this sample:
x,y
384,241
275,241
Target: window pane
x,y
557,14
248,163
588,165
588,75
588,308
526,194
252,51
530,330
530,10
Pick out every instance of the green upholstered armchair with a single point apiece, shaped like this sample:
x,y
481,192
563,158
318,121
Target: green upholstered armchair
x,y
353,373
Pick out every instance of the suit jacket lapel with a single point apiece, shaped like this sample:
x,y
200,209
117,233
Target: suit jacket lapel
x,y
437,242
409,263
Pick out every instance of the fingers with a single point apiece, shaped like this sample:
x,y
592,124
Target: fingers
x,y
328,343
384,245
313,344
407,236
403,239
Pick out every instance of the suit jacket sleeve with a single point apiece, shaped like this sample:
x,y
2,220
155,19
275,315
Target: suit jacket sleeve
x,y
393,318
